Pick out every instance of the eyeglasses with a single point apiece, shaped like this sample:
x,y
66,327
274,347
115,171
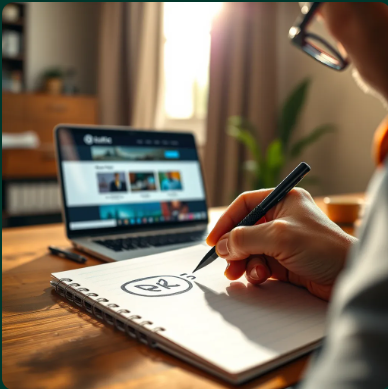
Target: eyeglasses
x,y
312,44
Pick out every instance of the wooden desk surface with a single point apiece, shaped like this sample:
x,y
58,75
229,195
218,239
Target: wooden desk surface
x,y
50,343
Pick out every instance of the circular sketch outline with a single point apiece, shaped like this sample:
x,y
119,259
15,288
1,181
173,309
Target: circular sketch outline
x,y
160,295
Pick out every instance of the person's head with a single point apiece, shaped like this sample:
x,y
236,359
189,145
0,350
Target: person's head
x,y
169,175
362,29
117,176
362,32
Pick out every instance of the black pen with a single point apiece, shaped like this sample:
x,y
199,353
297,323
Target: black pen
x,y
270,201
67,254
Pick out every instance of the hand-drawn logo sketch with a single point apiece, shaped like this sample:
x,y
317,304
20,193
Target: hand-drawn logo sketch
x,y
159,286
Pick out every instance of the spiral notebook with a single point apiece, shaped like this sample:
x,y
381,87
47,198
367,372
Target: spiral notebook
x,y
233,330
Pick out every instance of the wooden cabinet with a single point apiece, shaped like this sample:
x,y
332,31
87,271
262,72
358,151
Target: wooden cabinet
x,y
29,175
48,109
19,164
40,113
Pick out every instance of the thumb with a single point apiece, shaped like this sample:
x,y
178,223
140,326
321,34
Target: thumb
x,y
242,242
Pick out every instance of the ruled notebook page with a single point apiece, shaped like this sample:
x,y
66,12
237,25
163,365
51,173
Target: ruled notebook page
x,y
233,325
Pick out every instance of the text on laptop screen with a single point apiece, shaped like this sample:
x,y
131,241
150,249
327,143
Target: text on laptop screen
x,y
122,179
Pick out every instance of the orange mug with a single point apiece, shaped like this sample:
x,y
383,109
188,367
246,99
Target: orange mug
x,y
342,209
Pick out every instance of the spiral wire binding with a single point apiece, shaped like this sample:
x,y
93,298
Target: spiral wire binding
x,y
66,290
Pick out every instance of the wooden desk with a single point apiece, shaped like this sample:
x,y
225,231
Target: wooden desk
x,y
50,343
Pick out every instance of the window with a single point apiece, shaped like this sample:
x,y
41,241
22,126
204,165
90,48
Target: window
x,y
187,28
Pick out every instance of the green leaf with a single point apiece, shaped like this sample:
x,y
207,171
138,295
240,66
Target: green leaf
x,y
241,122
314,135
275,159
290,112
241,129
275,156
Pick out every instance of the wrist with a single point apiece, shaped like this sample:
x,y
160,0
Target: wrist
x,y
346,242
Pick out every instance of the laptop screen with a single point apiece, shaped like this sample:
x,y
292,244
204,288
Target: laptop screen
x,y
116,180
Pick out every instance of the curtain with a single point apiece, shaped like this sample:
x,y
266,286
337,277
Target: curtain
x,y
130,59
242,82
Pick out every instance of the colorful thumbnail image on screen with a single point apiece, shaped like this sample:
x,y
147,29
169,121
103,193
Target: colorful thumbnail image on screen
x,y
144,181
111,182
170,181
145,213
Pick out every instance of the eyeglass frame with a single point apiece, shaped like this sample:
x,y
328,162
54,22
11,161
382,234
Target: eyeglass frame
x,y
298,37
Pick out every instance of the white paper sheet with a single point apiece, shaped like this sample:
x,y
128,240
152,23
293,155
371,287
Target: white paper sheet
x,y
233,325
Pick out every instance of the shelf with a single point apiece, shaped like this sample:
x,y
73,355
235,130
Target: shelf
x,y
18,58
19,23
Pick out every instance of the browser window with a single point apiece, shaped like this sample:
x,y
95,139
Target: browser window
x,y
122,179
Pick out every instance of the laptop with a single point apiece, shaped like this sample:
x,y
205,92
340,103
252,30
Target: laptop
x,y
128,193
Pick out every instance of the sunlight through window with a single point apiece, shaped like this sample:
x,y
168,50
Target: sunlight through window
x,y
187,29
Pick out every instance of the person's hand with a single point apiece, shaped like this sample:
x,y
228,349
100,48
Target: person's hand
x,y
297,243
362,30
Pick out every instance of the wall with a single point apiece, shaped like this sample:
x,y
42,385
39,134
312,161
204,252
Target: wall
x,y
341,160
66,35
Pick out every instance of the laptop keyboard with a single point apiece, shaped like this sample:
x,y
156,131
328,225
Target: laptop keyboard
x,y
139,242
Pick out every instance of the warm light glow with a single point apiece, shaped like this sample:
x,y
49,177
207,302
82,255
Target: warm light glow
x,y
187,29
293,31
305,9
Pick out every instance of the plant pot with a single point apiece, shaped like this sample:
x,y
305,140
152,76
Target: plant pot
x,y
54,86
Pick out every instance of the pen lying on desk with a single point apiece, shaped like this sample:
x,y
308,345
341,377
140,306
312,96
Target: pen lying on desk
x,y
67,254
270,201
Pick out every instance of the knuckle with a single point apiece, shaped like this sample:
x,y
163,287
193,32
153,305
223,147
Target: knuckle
x,y
236,238
300,193
243,196
264,191
304,193
280,226
248,193
281,230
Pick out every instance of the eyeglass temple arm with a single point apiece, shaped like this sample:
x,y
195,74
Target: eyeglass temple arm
x,y
305,19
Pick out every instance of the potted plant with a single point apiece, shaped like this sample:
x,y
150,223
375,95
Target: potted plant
x,y
266,165
53,81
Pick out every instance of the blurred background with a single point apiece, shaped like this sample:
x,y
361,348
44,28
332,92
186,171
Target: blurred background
x,y
225,71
